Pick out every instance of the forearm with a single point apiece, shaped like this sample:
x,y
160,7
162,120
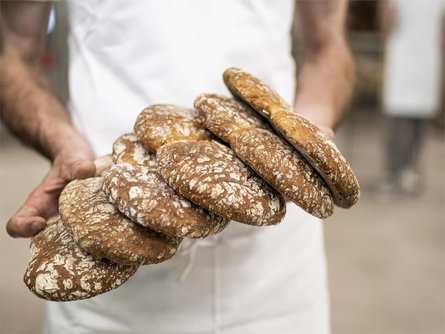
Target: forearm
x,y
31,110
325,84
325,80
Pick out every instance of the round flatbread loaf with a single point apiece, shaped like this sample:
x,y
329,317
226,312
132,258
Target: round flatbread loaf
x,y
210,175
225,116
309,140
268,155
59,270
163,123
99,228
284,169
128,149
145,197
103,163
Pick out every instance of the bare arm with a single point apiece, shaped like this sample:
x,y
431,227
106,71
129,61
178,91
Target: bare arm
x,y
325,81
33,113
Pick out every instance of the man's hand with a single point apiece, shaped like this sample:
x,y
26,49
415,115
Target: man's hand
x,y
72,163
32,112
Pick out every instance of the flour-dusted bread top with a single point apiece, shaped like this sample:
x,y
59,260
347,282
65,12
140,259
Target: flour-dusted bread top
x,y
128,149
163,123
103,163
265,152
99,228
309,140
59,270
210,175
284,169
224,116
145,197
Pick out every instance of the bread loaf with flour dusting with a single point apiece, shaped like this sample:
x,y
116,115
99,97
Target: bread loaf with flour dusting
x,y
98,227
59,270
309,140
267,154
144,196
173,132
209,174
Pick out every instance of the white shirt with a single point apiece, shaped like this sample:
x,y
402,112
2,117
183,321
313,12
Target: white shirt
x,y
126,55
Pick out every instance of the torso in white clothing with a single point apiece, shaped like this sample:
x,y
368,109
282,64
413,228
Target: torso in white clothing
x,y
126,55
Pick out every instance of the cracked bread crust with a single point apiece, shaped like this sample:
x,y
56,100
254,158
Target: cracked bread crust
x,y
128,149
145,197
99,228
59,270
224,116
210,175
103,164
163,123
310,141
266,153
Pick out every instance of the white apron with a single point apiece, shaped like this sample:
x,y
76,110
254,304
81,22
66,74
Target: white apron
x,y
126,55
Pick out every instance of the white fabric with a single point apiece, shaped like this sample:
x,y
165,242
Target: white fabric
x,y
412,68
126,55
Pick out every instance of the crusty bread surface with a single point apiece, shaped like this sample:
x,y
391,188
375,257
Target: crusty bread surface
x,y
98,227
309,140
145,197
59,270
163,123
267,154
128,149
210,175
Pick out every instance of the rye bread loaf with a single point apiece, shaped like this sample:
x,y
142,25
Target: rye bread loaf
x,y
99,228
163,123
59,270
128,149
210,175
266,153
144,196
309,140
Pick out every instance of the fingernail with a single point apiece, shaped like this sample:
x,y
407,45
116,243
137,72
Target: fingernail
x,y
36,226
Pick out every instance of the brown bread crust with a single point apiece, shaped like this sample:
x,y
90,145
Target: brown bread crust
x,y
267,154
99,228
59,270
310,141
102,164
145,197
128,149
283,168
225,116
163,123
210,175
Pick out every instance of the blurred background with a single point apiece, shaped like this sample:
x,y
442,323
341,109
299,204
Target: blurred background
x,y
386,256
